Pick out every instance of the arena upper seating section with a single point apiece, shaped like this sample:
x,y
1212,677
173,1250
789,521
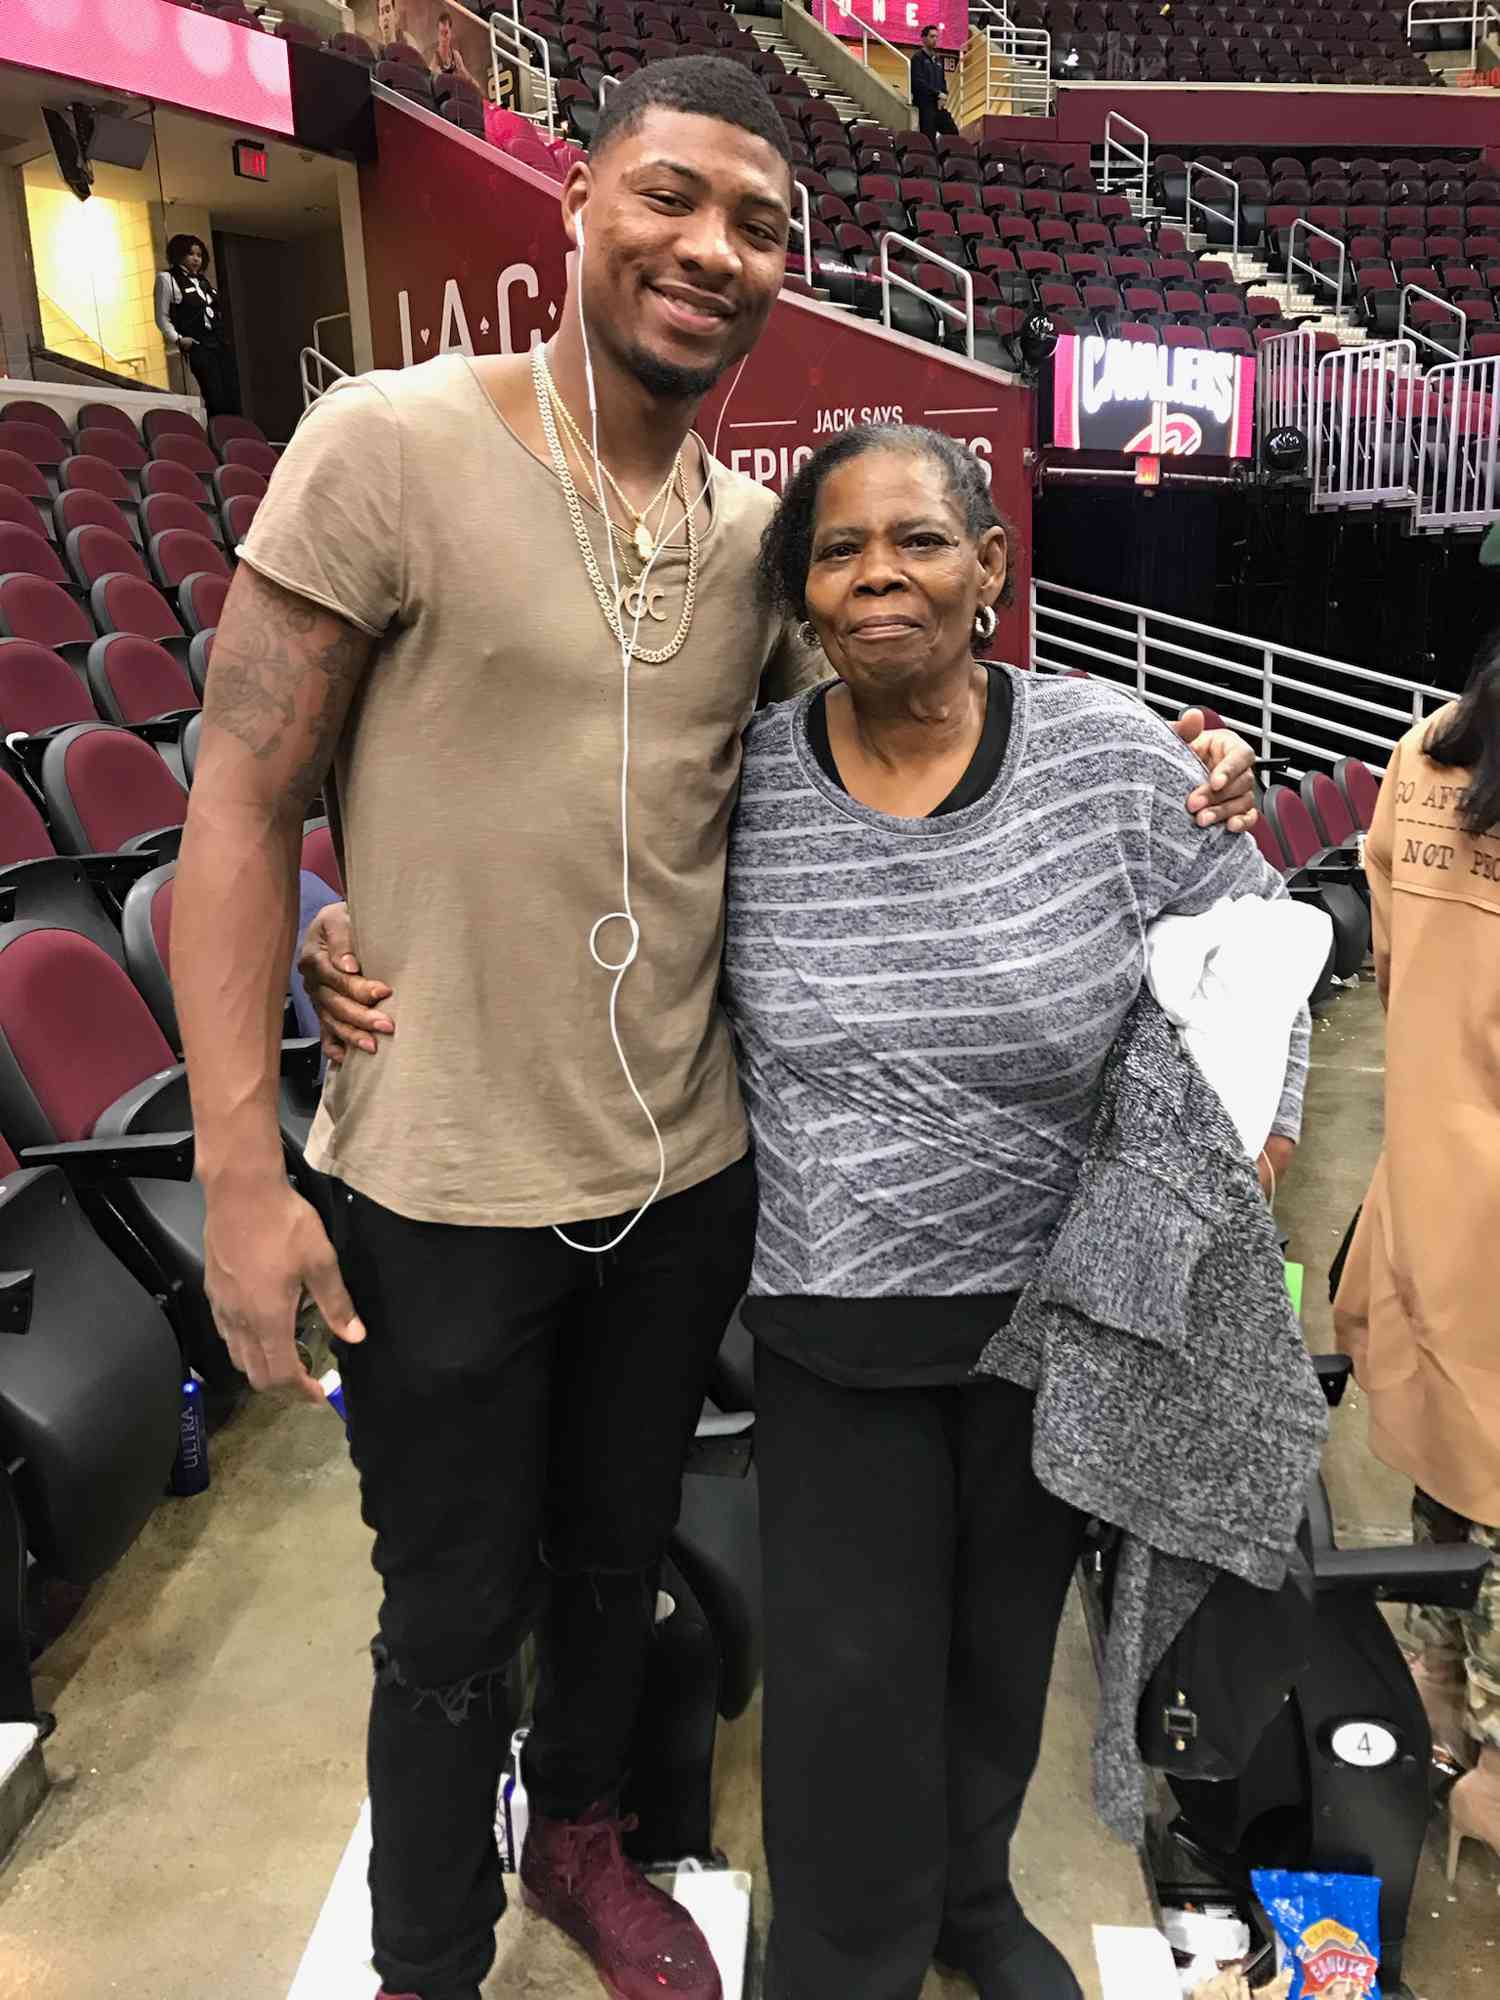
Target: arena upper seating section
x,y
1193,42
1434,223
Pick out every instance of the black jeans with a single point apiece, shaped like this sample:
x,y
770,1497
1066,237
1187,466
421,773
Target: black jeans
x,y
915,1574
518,1413
927,115
217,377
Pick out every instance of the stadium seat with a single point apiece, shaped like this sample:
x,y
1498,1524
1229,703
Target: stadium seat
x,y
200,650
81,508
200,598
231,482
245,451
24,412
27,552
105,416
121,448
21,476
33,608
96,552
157,424
24,513
1329,810
163,511
108,792
38,690
133,680
43,445
179,553
238,514
162,477
83,473
1325,874
1360,788
320,856
196,454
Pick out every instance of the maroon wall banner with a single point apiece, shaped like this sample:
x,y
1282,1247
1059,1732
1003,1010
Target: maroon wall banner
x,y
464,250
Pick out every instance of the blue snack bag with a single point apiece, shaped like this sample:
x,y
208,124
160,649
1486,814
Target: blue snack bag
x,y
1327,1931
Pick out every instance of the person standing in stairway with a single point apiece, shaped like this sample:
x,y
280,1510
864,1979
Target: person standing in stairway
x,y
190,314
929,83
1417,1307
521,1408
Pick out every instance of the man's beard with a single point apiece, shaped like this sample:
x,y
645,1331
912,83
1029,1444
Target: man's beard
x,y
667,381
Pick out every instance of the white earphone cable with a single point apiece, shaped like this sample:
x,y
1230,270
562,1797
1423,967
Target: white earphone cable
x,y
625,914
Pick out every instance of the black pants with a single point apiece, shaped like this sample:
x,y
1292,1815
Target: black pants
x,y
518,1415
915,1574
927,115
217,377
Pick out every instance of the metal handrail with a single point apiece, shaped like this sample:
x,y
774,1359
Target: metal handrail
x,y
607,83
1112,145
313,360
866,34
888,277
1315,271
1028,51
328,319
1133,649
1191,201
500,26
804,227
1480,18
1459,459
1404,332
1365,401
1284,375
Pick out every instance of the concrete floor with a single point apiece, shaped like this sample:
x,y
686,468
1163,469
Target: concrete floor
x,y
208,1759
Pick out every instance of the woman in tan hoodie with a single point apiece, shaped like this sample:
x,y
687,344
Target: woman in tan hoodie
x,y
1419,1305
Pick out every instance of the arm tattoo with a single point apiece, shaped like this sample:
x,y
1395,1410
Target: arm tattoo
x,y
282,647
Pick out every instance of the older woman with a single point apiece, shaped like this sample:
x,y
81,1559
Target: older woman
x,y
940,879
939,882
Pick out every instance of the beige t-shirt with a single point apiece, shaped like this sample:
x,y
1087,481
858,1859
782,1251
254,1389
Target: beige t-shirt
x,y
478,784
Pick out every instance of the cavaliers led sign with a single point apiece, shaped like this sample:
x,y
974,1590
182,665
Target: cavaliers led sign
x,y
1130,396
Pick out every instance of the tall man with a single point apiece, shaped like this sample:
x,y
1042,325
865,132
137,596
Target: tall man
x,y
427,608
929,82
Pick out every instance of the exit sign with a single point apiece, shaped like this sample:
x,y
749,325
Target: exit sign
x,y
251,160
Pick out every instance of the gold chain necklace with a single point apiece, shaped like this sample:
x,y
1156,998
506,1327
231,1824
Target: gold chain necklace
x,y
642,539
541,381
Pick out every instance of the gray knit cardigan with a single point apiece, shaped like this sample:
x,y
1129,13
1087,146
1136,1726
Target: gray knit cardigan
x,y
1176,1399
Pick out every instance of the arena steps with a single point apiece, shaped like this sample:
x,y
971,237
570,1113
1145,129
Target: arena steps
x,y
801,65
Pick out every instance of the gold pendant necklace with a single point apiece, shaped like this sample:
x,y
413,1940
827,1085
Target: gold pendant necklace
x,y
614,613
643,540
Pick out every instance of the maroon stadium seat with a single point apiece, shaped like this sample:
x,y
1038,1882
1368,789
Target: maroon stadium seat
x,y
24,513
130,604
38,690
122,450
161,511
196,453
24,412
106,416
233,481
161,476
96,552
32,608
82,509
1361,792
106,790
179,553
1329,809
38,442
319,856
238,514
245,451
157,424
222,429
83,473
135,680
27,552
21,476
201,599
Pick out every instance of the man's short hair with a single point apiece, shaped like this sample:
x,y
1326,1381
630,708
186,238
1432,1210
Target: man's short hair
x,y
444,16
702,86
930,29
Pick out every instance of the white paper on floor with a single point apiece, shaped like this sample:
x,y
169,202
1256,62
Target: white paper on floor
x,y
1135,1963
336,1964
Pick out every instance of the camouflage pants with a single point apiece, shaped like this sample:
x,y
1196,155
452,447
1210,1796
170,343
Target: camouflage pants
x,y
1470,1637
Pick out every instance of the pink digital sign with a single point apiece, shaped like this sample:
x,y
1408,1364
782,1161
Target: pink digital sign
x,y
145,48
899,21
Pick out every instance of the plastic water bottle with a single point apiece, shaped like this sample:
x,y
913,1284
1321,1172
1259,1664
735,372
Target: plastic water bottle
x,y
190,1467
332,1385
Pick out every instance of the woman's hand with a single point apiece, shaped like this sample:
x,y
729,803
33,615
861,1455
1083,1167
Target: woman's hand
x,y
1228,798
1274,1164
348,1005
185,341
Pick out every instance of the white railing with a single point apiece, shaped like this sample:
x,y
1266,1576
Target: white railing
x,y
1316,271
318,374
1259,687
1192,201
1285,371
963,315
804,227
1414,332
509,39
1018,62
1364,426
1457,485
607,83
1122,164
1478,16
328,319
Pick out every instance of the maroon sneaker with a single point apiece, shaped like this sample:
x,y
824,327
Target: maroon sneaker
x,y
644,1946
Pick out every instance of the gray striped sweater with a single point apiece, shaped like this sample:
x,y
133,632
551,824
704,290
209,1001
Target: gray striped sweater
x,y
924,1007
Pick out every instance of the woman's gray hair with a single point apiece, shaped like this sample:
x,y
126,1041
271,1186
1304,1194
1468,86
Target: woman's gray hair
x,y
786,546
